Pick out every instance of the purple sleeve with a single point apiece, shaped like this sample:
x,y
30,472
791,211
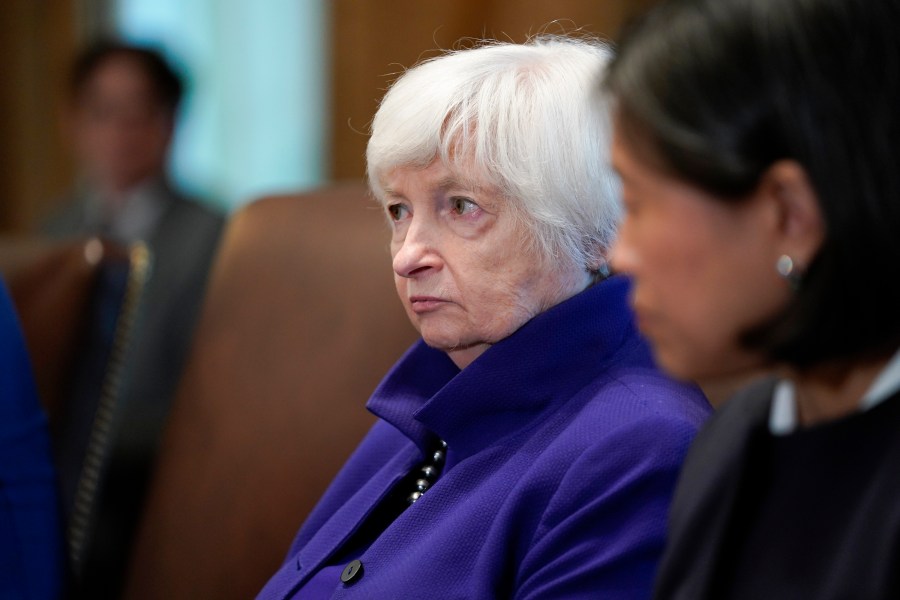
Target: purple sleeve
x,y
603,532
30,530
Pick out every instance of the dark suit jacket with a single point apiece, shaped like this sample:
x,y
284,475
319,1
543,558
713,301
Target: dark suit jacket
x,y
182,244
846,545
706,494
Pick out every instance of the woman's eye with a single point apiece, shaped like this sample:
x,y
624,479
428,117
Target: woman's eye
x,y
397,211
461,205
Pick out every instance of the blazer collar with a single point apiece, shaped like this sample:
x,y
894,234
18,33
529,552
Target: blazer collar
x,y
543,363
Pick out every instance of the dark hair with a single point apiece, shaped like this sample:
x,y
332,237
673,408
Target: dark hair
x,y
166,83
721,89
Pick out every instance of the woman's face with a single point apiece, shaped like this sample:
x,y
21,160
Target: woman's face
x,y
703,270
463,267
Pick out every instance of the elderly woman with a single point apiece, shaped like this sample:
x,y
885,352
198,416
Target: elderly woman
x,y
527,447
758,142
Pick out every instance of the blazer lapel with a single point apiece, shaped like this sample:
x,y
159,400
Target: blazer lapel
x,y
345,521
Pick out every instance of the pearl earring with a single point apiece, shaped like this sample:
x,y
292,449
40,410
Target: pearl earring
x,y
788,271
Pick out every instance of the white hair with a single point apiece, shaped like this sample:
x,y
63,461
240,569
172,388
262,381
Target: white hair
x,y
529,119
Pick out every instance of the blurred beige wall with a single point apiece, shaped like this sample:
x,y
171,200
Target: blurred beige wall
x,y
370,39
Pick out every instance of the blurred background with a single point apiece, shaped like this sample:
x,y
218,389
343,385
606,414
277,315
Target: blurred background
x,y
280,92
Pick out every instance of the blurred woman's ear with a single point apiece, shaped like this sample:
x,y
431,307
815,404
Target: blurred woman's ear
x,y
795,211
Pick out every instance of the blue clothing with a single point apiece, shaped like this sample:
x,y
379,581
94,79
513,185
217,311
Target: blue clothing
x,y
564,443
31,547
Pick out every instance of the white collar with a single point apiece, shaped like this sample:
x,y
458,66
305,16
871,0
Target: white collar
x,y
783,414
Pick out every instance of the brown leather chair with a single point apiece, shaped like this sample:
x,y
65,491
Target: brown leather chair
x,y
300,323
50,283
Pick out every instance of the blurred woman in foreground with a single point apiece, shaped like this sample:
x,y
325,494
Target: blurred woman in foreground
x,y
758,144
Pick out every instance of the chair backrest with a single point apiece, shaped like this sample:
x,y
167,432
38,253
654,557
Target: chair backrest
x,y
300,322
51,284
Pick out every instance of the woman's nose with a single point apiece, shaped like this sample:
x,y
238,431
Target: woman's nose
x,y
416,253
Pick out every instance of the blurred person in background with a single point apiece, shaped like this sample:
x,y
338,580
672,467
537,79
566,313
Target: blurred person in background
x,y
758,145
121,118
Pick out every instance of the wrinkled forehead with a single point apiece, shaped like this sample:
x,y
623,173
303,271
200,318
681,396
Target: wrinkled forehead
x,y
443,173
417,135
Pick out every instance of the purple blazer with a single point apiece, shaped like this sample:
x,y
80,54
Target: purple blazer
x,y
564,443
31,535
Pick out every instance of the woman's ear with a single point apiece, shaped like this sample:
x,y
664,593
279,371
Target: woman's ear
x,y
800,226
598,264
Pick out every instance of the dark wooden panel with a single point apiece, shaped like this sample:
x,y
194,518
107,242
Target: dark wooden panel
x,y
37,39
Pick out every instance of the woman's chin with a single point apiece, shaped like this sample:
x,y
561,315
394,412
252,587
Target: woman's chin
x,y
713,368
